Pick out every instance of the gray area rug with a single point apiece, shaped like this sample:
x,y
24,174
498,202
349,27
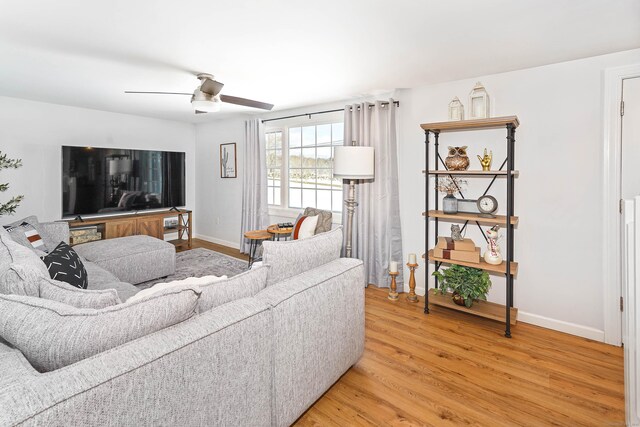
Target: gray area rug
x,y
201,262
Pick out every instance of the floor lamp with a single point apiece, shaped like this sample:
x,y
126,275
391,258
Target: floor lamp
x,y
352,162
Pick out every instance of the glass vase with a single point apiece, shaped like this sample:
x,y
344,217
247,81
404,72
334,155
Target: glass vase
x,y
450,204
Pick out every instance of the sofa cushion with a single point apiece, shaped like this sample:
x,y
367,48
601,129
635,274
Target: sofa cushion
x,y
26,231
243,285
65,265
52,335
19,237
13,280
293,257
100,279
80,298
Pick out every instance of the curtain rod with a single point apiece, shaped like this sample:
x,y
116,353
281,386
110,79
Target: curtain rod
x,y
324,112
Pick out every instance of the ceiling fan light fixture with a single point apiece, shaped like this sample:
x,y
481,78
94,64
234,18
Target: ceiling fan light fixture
x,y
204,102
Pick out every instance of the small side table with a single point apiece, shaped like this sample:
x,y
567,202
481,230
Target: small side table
x,y
278,232
255,238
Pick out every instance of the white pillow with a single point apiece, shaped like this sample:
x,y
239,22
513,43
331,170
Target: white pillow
x,y
189,281
307,227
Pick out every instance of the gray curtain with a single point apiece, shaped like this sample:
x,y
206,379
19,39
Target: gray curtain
x,y
377,236
255,213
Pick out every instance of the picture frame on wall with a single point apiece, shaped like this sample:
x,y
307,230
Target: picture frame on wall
x,y
228,161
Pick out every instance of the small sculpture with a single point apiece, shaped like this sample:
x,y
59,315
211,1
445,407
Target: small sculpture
x,y
492,255
456,234
457,160
485,161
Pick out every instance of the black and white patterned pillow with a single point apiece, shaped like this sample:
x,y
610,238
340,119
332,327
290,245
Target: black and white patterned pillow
x,y
64,265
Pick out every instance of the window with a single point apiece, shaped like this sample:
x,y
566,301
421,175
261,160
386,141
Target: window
x,y
300,166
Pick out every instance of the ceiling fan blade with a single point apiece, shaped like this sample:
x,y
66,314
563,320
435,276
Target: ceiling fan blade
x,y
245,102
211,87
159,93
200,112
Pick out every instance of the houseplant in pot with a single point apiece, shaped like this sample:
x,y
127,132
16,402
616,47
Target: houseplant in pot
x,y
466,283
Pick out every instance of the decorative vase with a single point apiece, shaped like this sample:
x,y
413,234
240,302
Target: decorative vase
x,y
450,204
457,298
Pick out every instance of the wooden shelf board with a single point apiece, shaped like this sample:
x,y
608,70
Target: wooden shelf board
x,y
169,230
93,220
461,125
472,173
501,268
499,219
489,310
178,242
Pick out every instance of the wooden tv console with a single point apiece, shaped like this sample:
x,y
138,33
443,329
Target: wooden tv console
x,y
145,223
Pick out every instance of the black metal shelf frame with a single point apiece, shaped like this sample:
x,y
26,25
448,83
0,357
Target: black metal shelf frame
x,y
510,164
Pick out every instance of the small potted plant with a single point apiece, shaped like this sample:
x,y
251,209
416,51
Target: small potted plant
x,y
466,283
450,185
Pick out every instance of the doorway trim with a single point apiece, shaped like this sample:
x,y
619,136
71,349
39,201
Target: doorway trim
x,y
612,280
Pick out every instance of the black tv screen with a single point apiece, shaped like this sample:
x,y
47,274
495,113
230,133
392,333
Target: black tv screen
x,y
109,180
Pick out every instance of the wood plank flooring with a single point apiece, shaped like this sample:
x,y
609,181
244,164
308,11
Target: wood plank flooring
x,y
450,369
199,243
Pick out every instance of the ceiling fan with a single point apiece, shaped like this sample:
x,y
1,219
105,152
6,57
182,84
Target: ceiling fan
x,y
207,98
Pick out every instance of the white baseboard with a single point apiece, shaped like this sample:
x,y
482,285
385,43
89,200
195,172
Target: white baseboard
x,y
233,245
556,325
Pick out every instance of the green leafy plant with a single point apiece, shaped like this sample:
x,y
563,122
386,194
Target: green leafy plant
x,y
468,282
9,207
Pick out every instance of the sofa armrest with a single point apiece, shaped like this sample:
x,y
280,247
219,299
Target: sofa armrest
x,y
56,231
213,369
318,333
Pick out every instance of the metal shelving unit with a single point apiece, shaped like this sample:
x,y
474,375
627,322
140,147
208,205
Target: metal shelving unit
x,y
508,267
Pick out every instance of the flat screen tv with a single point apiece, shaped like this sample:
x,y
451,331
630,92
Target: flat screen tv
x,y
109,181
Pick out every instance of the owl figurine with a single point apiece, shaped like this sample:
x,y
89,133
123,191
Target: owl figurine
x,y
457,160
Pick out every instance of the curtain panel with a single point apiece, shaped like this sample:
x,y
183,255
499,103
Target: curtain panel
x,y
255,211
377,234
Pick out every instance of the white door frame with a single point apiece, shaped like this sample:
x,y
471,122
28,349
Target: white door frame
x,y
612,280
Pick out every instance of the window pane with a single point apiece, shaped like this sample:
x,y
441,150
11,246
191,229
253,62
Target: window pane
x,y
270,196
308,178
273,173
337,200
308,157
309,198
308,135
337,184
294,158
294,137
324,157
324,134
276,196
324,178
270,140
295,198
324,200
278,140
337,132
274,158
295,178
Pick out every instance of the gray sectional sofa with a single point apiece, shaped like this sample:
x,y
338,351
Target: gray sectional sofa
x,y
258,350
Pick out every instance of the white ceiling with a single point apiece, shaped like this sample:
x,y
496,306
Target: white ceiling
x,y
287,52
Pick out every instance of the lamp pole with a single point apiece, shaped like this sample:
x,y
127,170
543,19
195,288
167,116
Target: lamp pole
x,y
351,208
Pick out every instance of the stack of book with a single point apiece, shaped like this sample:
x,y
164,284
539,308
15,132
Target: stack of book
x,y
457,250
84,234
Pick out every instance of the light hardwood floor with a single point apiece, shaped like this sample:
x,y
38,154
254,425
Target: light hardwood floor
x,y
199,243
451,369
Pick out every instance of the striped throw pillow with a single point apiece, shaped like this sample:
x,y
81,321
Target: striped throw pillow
x,y
30,233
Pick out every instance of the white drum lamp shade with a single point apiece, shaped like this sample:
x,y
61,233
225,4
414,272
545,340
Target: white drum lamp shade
x,y
353,162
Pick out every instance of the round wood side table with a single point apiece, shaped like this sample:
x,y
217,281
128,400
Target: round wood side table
x,y
279,233
256,237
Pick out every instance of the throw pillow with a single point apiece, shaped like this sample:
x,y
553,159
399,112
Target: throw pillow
x,y
64,264
26,235
190,281
19,237
13,256
288,259
52,335
305,227
80,298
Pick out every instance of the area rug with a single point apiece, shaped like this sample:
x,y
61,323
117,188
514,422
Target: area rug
x,y
201,262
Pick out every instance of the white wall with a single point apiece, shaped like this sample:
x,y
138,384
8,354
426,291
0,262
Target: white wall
x,y
35,131
559,195
218,200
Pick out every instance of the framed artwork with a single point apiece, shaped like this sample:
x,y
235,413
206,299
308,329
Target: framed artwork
x,y
228,161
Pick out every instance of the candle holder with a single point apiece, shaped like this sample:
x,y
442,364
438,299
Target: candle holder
x,y
412,297
393,295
